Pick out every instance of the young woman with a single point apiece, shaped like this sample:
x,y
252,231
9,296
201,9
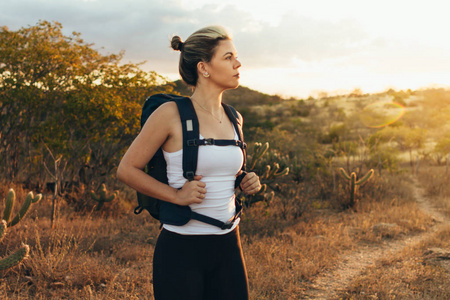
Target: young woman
x,y
196,260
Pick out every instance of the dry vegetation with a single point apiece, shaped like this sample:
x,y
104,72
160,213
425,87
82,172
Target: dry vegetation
x,y
412,273
92,255
418,272
290,242
436,181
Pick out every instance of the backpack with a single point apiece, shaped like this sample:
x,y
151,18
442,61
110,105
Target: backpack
x,y
169,213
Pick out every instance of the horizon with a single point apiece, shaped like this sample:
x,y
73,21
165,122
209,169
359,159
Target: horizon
x,y
288,49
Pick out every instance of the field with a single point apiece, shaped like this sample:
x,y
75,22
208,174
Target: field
x,y
382,251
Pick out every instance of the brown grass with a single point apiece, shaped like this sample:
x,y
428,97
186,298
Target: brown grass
x,y
94,256
282,264
410,273
406,275
437,186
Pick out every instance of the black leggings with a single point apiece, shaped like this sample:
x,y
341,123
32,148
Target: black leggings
x,y
199,267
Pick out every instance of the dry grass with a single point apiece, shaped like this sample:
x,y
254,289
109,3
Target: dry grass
x,y
410,273
406,275
283,264
437,186
84,257
91,256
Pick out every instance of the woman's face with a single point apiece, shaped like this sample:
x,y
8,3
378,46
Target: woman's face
x,y
224,65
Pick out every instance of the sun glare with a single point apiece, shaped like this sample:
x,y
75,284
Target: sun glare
x,y
381,114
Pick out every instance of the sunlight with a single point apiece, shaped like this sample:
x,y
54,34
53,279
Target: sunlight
x,y
381,114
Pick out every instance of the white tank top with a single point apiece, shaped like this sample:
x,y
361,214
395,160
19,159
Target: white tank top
x,y
218,165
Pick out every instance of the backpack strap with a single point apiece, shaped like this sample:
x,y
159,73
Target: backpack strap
x,y
216,142
222,225
191,131
234,118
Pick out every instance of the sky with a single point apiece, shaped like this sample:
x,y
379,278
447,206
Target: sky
x,y
291,48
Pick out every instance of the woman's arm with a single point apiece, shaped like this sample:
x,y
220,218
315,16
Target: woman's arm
x,y
160,128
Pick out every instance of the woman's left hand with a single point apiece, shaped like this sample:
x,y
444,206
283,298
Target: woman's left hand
x,y
250,184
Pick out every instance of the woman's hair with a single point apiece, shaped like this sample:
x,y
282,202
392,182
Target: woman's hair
x,y
199,46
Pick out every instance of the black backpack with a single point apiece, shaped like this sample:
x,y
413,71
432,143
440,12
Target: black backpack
x,y
169,213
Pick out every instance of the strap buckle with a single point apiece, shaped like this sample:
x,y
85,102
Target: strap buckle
x,y
190,175
192,143
227,225
209,141
241,144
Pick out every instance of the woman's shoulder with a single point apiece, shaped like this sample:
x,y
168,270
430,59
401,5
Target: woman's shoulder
x,y
163,116
168,109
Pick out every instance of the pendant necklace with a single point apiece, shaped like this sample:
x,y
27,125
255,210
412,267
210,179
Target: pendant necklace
x,y
220,120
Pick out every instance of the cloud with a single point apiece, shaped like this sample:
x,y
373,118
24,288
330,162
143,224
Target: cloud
x,y
301,38
281,49
143,29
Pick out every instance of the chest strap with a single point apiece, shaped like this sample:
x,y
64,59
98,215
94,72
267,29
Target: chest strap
x,y
216,142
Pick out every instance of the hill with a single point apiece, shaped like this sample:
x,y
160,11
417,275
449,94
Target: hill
x,y
242,96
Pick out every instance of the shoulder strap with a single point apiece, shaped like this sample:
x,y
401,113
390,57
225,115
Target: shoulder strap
x,y
191,131
234,118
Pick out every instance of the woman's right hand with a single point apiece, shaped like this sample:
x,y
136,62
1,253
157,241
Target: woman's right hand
x,y
192,192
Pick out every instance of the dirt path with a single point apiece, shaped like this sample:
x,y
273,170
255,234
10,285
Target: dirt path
x,y
328,285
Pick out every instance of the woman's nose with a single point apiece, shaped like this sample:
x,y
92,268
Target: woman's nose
x,y
238,64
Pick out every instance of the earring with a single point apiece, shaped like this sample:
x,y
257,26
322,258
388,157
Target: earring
x,y
206,74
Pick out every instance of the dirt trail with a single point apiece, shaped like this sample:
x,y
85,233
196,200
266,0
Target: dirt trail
x,y
329,284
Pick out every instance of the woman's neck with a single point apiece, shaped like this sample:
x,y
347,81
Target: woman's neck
x,y
208,99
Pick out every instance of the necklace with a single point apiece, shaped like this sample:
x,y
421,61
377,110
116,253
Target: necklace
x,y
220,120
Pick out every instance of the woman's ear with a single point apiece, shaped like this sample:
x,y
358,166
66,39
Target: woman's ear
x,y
202,69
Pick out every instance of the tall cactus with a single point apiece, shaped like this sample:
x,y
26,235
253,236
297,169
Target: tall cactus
x,y
355,183
10,201
258,151
3,227
267,175
16,257
19,255
101,198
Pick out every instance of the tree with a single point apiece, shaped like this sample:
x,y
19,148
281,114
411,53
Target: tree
x,y
57,91
407,139
442,147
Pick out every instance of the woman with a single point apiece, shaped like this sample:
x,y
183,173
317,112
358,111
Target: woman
x,y
196,260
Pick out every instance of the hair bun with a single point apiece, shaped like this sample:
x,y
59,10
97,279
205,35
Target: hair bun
x,y
177,44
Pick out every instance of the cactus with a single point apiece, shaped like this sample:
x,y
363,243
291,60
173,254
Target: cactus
x,y
101,198
355,183
15,258
267,175
271,173
258,151
10,200
3,226
22,253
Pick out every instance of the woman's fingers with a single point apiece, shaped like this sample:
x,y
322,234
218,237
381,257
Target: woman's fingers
x,y
250,184
192,192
